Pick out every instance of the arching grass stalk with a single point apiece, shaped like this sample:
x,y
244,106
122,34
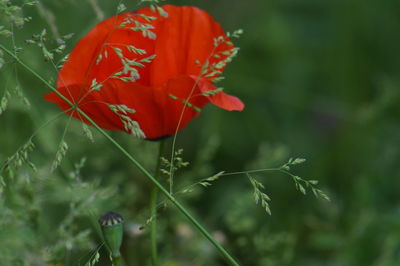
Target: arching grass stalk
x,y
153,207
171,198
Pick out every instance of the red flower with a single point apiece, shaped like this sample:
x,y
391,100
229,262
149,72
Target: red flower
x,y
147,74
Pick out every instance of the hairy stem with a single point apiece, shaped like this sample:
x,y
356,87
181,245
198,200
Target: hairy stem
x,y
177,204
153,207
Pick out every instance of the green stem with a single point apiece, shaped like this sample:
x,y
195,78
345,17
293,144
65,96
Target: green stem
x,y
153,207
116,261
177,204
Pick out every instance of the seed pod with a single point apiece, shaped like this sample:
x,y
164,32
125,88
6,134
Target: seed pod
x,y
112,228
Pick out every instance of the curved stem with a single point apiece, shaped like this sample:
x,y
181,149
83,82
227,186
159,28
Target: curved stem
x,y
153,207
177,204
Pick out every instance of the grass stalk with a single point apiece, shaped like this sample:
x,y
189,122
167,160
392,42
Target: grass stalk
x,y
153,207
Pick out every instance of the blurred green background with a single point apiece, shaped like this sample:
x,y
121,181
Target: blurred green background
x,y
320,80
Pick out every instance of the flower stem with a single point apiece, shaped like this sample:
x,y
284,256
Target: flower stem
x,y
116,261
170,197
153,207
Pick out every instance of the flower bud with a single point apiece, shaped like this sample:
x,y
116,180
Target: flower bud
x,y
112,228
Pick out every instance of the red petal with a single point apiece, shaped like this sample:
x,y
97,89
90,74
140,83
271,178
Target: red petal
x,y
158,111
185,37
221,99
98,112
227,102
83,64
174,93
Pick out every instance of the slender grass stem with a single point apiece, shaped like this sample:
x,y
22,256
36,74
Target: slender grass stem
x,y
153,207
177,204
34,135
253,171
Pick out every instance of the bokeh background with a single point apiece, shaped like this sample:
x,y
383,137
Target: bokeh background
x,y
320,80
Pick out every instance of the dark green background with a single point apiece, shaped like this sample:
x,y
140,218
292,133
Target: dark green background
x,y
320,80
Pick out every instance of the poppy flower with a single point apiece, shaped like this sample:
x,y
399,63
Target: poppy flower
x,y
147,73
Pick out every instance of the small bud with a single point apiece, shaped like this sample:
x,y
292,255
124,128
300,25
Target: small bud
x,y
112,228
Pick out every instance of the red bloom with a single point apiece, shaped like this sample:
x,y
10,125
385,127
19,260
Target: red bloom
x,y
137,71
